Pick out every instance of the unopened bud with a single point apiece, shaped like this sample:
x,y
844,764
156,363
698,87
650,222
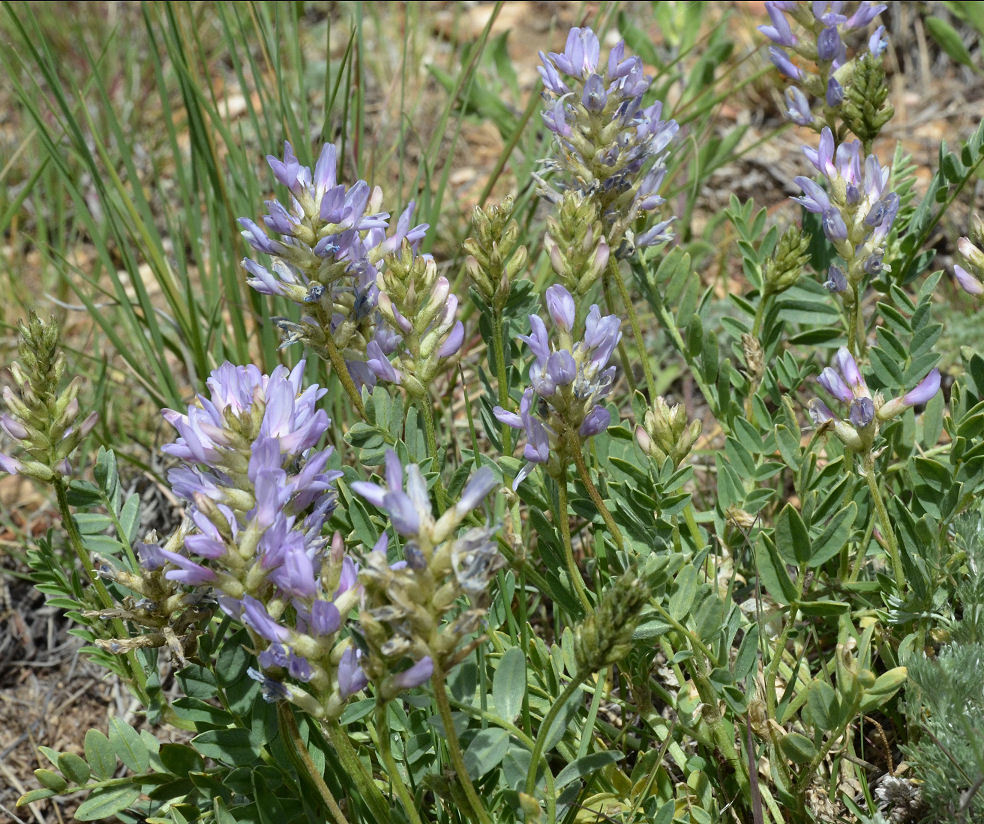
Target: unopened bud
x,y
670,434
786,265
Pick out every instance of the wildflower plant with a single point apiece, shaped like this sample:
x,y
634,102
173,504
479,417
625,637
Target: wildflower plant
x,y
689,599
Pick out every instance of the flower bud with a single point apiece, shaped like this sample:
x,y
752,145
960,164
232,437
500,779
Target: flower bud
x,y
669,433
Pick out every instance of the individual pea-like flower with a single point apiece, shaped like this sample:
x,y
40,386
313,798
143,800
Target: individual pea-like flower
x,y
562,406
326,250
814,56
612,147
857,209
845,383
424,334
971,278
409,607
42,418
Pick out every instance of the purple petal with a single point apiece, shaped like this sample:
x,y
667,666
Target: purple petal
x,y
13,427
862,412
832,382
403,514
419,673
256,617
371,492
351,678
453,341
595,421
560,305
848,368
924,390
508,418
478,487
970,284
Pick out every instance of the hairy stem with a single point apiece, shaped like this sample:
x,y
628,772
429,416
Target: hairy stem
x,y
891,543
565,530
582,470
454,747
386,752
541,739
355,769
288,728
78,547
630,311
503,388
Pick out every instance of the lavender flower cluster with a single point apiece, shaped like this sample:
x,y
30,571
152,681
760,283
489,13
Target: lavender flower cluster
x,y
844,382
613,148
261,495
569,378
327,250
825,27
405,604
856,208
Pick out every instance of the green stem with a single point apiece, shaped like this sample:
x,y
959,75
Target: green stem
x,y
338,364
386,752
78,547
688,634
565,531
856,337
355,769
288,728
541,738
503,387
622,354
884,520
669,325
582,470
426,410
634,323
454,747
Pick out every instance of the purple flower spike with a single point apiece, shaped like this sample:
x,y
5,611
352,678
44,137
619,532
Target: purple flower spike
x,y
924,390
419,673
